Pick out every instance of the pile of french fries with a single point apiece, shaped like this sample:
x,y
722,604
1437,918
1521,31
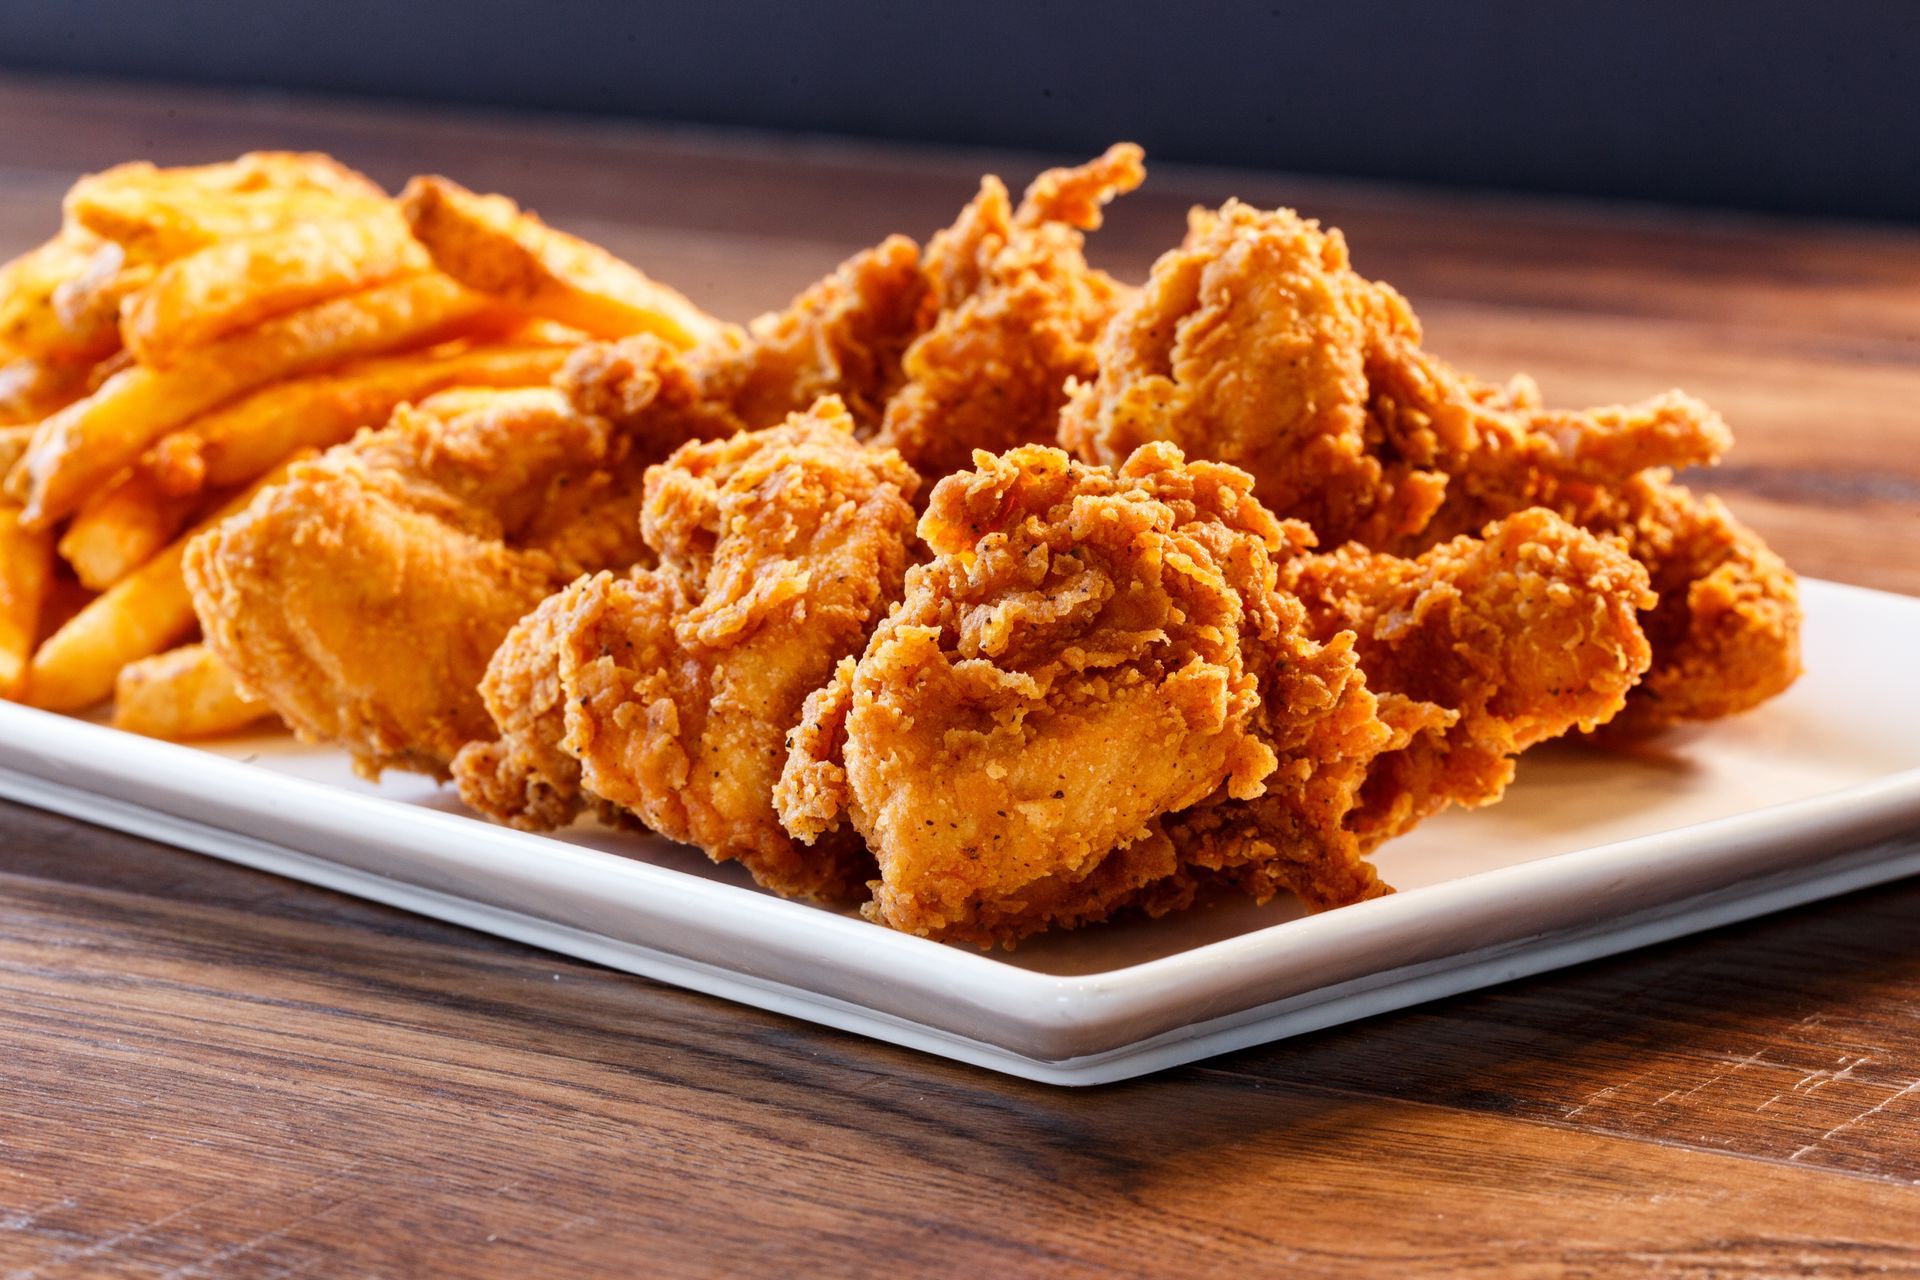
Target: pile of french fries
x,y
189,334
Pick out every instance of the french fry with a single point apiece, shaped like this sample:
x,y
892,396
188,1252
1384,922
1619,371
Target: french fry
x,y
546,333
120,528
457,402
231,446
13,443
26,570
224,287
182,694
253,171
83,445
161,214
97,376
158,231
145,612
487,243
32,388
30,324
88,305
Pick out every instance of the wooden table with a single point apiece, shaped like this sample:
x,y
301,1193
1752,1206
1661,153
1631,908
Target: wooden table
x,y
209,1071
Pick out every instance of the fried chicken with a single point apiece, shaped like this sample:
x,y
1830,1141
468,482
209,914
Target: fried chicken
x,y
1017,311
1479,648
1471,653
1256,343
1083,656
363,595
966,345
436,537
971,342
676,685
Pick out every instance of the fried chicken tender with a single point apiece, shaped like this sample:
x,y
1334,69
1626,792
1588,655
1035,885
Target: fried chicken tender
x,y
524,776
1083,656
425,537
436,537
970,343
778,551
1017,311
1473,652
1479,648
1256,343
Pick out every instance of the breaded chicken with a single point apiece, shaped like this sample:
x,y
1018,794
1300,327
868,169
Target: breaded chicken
x,y
1471,653
1083,656
434,538
778,551
1256,343
969,344
1017,310
363,596
1479,648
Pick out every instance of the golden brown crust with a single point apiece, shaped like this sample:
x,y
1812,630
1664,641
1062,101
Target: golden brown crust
x,y
1017,311
424,536
1083,655
1256,343
1480,648
779,550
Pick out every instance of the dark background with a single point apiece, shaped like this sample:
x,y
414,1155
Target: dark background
x,y
1810,107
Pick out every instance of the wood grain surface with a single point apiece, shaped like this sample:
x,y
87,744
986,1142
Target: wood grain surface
x,y
207,1071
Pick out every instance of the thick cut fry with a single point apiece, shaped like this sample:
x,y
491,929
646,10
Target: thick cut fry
x,y
26,569
31,389
161,214
254,171
140,615
182,694
122,527
83,445
88,306
487,243
546,333
225,287
13,443
233,445
31,324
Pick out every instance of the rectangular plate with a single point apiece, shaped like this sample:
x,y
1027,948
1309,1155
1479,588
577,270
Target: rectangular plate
x,y
1591,853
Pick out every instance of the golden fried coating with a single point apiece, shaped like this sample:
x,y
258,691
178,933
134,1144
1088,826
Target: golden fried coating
x,y
1472,653
972,344
1018,310
1326,728
1479,648
1726,633
779,550
524,776
1083,655
1256,343
426,537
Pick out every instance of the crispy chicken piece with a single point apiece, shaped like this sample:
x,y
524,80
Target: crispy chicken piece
x,y
1473,652
1479,648
451,532
972,343
779,549
967,345
428,537
1083,657
1018,310
524,776
1256,343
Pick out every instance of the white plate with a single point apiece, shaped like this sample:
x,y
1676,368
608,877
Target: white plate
x,y
1816,794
